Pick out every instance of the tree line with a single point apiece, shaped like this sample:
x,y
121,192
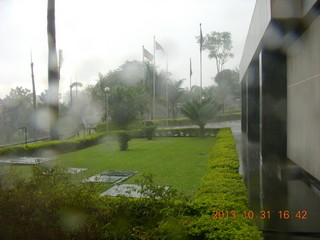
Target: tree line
x,y
129,99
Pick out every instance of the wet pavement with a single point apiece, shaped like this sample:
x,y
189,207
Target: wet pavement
x,y
289,196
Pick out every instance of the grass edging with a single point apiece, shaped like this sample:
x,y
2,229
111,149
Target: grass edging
x,y
222,190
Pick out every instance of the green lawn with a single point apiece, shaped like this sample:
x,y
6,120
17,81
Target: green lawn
x,y
178,162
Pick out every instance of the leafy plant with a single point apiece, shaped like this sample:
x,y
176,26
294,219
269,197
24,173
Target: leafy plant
x,y
149,132
124,137
221,189
201,111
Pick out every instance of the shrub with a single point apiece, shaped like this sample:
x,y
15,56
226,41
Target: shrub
x,y
228,117
221,189
149,132
51,206
62,146
180,122
186,132
102,127
48,206
124,137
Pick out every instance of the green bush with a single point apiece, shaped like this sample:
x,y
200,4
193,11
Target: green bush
x,y
50,205
102,127
186,132
180,122
124,137
228,117
149,132
56,147
221,189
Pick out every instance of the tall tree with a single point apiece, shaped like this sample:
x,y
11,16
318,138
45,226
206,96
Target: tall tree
x,y
228,86
53,74
16,113
126,103
219,45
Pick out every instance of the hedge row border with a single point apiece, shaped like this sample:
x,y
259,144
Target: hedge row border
x,y
222,189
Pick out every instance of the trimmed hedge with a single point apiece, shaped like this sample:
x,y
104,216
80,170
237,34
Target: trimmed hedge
x,y
65,146
228,117
186,132
179,122
177,132
57,146
124,137
221,189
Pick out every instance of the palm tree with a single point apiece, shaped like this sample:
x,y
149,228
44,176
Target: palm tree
x,y
53,75
201,111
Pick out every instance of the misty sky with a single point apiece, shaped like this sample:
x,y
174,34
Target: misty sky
x,y
100,35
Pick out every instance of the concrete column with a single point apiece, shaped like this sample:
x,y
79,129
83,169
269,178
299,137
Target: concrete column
x,y
273,141
253,99
244,104
273,107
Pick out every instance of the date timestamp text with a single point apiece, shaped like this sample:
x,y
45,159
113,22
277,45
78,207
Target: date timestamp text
x,y
283,214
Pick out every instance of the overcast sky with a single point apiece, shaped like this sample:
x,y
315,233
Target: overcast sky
x,y
97,36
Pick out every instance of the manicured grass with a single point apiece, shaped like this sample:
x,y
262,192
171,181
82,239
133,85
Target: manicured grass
x,y
177,162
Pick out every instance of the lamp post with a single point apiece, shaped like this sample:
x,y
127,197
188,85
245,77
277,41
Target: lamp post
x,y
75,84
107,91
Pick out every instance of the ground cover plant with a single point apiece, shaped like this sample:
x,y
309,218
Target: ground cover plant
x,y
178,162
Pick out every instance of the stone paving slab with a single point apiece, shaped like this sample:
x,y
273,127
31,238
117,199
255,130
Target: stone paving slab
x,y
76,170
111,176
24,160
127,190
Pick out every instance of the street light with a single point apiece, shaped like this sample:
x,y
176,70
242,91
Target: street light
x,y
107,91
75,84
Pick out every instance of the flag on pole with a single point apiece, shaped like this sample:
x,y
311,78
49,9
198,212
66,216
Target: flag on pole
x,y
147,55
201,38
159,47
190,68
201,42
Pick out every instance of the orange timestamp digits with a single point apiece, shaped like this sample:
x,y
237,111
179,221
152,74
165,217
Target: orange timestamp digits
x,y
224,214
245,214
284,214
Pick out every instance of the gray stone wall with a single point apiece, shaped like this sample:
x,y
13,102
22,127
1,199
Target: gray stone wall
x,y
303,137
259,23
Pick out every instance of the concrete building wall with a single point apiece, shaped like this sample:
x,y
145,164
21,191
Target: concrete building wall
x,y
259,23
303,68
286,9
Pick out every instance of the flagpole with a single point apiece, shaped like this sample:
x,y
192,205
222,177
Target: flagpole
x,y
144,73
154,79
167,105
201,40
190,74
